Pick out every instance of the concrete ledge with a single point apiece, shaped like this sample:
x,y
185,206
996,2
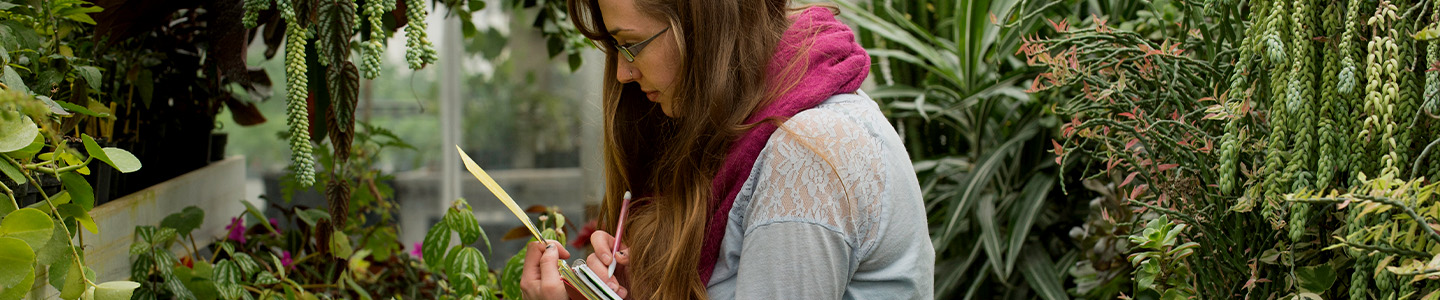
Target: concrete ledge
x,y
216,188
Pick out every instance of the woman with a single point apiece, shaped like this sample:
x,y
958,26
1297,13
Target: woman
x,y
825,207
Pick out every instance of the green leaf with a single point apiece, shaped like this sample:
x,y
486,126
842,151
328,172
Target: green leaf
x,y
81,215
255,212
74,283
340,245
76,108
57,248
17,133
312,216
227,280
80,191
432,249
7,205
1146,273
115,290
247,265
13,172
17,261
336,27
1316,279
464,223
19,290
266,278
1040,272
185,221
12,79
990,234
91,75
1033,197
27,153
510,276
29,225
119,158
469,262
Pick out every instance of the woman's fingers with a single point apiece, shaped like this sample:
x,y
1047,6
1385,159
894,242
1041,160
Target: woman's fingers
x,y
549,266
531,269
540,277
602,241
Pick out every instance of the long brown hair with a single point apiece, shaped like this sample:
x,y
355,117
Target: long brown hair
x,y
669,162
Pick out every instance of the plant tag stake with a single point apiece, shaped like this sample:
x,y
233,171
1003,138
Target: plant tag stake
x,y
495,189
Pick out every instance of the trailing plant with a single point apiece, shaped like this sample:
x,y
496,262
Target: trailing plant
x,y
44,237
1311,99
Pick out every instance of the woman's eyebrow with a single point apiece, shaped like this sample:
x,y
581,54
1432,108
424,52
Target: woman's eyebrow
x,y
616,31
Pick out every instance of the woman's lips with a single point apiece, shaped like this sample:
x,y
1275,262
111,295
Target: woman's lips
x,y
652,95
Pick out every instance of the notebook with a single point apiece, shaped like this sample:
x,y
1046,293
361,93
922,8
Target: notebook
x,y
580,278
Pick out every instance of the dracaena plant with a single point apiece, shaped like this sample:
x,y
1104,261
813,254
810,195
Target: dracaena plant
x,y
45,235
949,81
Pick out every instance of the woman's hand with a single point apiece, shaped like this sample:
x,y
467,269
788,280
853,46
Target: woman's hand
x,y
600,260
540,277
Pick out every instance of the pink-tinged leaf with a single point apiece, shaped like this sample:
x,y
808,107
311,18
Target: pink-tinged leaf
x,y
1129,178
1131,143
1058,159
1058,149
993,20
1140,190
1128,115
1164,167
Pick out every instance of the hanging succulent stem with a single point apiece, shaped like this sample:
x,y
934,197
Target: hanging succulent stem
x,y
297,113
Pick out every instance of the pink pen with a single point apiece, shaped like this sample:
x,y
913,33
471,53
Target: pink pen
x,y
619,231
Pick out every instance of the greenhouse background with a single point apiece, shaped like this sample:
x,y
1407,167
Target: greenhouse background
x,y
1066,149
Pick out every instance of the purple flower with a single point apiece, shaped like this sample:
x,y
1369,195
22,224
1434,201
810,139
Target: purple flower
x,y
417,252
286,261
237,229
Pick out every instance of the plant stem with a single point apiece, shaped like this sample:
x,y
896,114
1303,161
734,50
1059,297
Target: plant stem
x,y
46,198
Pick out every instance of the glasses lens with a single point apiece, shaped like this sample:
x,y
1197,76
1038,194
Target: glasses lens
x,y
630,57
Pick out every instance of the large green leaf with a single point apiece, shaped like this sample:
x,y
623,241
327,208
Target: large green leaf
x,y
57,248
115,290
74,282
29,225
18,291
80,191
119,158
17,133
17,261
510,276
990,234
185,221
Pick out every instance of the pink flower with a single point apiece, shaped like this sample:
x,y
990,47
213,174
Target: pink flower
x,y
417,252
286,261
237,229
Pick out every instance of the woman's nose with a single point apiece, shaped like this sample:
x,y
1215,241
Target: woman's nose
x,y
625,72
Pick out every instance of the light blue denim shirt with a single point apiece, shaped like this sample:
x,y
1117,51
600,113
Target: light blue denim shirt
x,y
831,210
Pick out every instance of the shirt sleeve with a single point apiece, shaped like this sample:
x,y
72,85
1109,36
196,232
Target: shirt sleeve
x,y
793,260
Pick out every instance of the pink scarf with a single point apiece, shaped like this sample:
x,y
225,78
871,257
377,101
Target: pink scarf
x,y
836,65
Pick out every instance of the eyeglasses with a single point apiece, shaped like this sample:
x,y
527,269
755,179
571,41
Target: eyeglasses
x,y
629,52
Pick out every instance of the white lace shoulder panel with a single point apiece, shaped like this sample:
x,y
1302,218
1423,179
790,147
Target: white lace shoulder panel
x,y
823,167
